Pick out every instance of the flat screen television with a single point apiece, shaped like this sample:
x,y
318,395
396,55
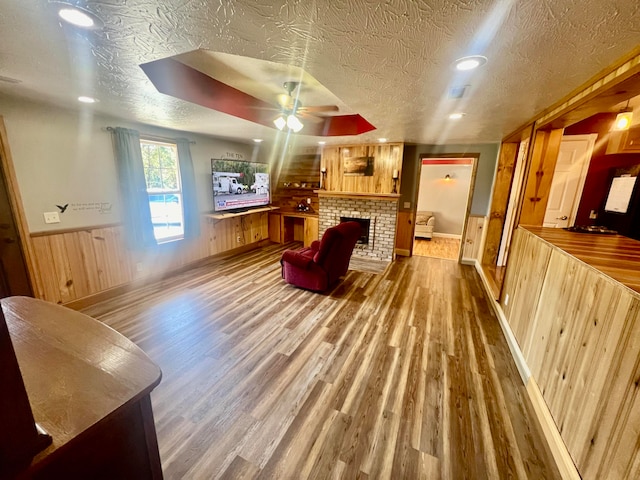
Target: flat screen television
x,y
239,185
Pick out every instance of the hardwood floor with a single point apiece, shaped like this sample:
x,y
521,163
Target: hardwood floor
x,y
399,375
438,247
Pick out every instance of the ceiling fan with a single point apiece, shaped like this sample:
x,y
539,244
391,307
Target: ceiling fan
x,y
291,108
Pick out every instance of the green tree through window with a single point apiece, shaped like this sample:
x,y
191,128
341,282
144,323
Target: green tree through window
x,y
160,161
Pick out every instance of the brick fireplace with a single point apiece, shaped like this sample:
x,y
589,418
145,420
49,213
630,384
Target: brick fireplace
x,y
381,211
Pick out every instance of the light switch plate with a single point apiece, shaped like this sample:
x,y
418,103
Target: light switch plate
x,y
51,217
407,205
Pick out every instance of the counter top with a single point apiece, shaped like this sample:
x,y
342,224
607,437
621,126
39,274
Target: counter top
x,y
614,255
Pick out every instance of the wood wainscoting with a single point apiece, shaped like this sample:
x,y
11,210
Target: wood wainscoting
x,y
579,330
473,239
75,264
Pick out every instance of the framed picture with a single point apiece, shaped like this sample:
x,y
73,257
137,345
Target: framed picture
x,y
358,166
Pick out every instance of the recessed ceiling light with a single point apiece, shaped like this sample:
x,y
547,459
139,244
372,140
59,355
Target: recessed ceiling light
x,y
321,142
257,140
456,116
78,16
470,62
84,99
382,140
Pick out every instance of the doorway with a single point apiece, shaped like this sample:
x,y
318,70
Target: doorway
x,y
442,206
14,278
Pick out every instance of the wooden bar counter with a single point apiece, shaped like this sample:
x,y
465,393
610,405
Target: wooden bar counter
x,y
89,389
572,302
614,255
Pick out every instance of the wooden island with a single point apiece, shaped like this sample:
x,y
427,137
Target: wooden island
x,y
572,302
88,388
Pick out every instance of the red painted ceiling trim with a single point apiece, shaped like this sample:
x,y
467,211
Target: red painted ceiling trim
x,y
181,81
447,161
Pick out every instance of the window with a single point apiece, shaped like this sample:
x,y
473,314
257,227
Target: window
x,y
162,175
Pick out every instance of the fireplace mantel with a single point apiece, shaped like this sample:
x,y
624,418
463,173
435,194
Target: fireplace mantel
x,y
365,196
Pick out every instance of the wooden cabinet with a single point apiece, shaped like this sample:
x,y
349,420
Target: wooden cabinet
x,y
625,141
293,227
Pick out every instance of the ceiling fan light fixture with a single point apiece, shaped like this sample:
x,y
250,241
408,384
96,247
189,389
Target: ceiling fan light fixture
x,y
623,120
294,123
280,122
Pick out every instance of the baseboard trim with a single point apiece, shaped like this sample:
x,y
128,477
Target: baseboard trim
x,y
403,252
98,297
564,462
516,353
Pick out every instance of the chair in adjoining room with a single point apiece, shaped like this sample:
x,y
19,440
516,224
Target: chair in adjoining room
x,y
425,222
320,266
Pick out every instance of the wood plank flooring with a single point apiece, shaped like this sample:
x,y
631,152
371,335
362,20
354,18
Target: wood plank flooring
x,y
399,375
437,247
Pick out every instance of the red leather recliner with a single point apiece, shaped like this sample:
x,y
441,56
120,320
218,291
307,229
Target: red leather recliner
x,y
319,266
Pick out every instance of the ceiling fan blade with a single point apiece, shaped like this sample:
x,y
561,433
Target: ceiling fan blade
x,y
310,117
318,108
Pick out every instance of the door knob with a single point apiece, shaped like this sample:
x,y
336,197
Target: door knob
x,y
564,217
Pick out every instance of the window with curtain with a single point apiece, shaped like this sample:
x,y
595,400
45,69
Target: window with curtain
x,y
164,188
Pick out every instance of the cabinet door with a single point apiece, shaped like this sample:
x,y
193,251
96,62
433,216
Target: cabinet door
x,y
275,227
310,230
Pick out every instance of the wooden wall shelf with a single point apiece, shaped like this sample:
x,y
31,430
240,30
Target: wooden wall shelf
x,y
223,216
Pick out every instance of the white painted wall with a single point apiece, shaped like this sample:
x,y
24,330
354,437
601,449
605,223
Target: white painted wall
x,y
61,156
447,200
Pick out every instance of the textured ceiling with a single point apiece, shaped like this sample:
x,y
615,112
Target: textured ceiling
x,y
389,61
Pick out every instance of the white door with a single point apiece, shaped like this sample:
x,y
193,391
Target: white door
x,y
568,180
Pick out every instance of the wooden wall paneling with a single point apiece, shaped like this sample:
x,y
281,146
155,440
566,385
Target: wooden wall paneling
x,y
615,448
544,155
111,257
387,157
45,269
331,161
76,264
404,233
523,281
583,350
603,325
499,200
61,264
81,262
473,237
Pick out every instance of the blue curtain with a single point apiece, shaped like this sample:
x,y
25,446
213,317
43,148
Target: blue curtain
x,y
189,197
135,200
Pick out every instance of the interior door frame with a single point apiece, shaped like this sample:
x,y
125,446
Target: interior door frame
x,y
15,201
475,158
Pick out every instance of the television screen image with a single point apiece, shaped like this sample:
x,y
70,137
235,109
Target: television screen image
x,y
239,185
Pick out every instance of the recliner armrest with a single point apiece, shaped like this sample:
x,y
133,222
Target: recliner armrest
x,y
297,258
315,245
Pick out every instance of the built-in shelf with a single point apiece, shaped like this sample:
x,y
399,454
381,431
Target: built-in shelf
x,y
222,216
370,196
